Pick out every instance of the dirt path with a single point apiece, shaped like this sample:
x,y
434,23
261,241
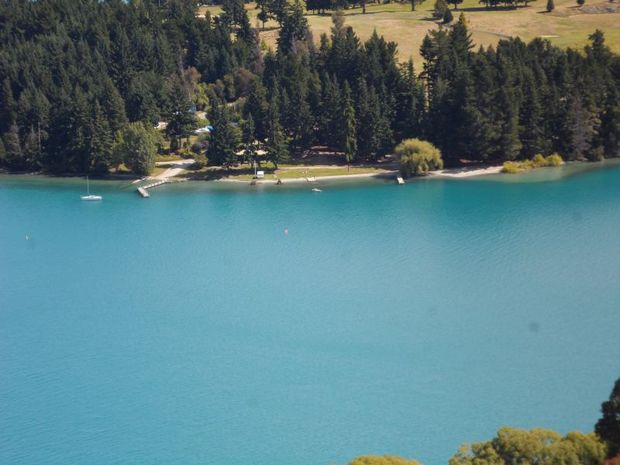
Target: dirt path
x,y
175,168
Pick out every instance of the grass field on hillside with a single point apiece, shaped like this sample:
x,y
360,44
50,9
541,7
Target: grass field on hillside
x,y
567,26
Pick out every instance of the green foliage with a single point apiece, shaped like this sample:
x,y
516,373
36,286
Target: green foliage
x,y
200,160
348,139
382,460
182,121
418,157
119,56
439,9
539,161
99,64
294,28
2,152
608,426
553,160
447,16
538,446
581,2
136,146
277,141
550,6
225,138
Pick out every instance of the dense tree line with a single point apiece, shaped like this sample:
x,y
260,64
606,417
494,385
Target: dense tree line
x,y
73,74
501,103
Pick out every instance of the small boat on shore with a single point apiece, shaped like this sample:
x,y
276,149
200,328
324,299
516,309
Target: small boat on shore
x,y
316,189
89,196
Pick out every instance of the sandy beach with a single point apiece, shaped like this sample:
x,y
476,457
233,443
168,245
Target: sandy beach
x,y
456,173
466,172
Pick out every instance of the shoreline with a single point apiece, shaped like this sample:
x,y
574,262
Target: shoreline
x,y
454,173
458,173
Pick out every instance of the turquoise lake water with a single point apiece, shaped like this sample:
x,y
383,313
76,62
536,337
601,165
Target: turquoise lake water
x,y
190,329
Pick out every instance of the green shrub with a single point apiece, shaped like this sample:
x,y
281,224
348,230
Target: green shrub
x,y
200,161
418,157
383,460
539,161
511,167
554,160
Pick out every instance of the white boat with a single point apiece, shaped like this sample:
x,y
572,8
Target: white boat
x,y
88,195
316,189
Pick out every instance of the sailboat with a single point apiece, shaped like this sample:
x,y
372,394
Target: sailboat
x,y
88,195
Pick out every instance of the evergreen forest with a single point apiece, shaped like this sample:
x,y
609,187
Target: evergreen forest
x,y
78,77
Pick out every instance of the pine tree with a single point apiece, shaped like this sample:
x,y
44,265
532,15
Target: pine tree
x,y
328,122
78,147
256,106
101,141
384,130
348,143
278,8
113,106
7,106
550,6
140,102
439,9
372,125
13,157
224,138
509,144
610,125
447,16
460,38
294,28
264,14
182,120
2,153
277,144
410,103
531,124
608,426
248,138
581,125
31,152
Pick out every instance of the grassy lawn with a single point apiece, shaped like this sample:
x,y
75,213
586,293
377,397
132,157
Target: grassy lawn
x,y
171,157
565,27
158,170
309,171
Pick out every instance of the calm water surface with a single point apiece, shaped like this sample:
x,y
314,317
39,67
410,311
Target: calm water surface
x,y
189,329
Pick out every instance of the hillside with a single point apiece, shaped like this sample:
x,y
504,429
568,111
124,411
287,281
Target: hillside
x,y
567,26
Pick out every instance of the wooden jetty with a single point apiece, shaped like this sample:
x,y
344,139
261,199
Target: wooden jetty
x,y
155,184
142,190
